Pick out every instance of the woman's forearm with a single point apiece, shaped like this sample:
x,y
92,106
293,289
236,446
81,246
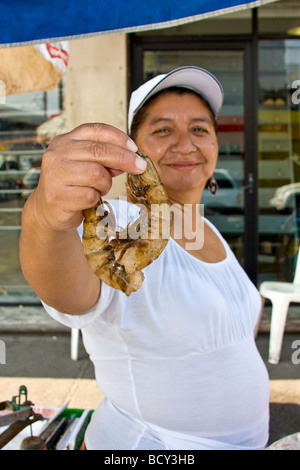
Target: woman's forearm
x,y
54,264
77,168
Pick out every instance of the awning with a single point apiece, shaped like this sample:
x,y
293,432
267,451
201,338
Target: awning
x,y
36,21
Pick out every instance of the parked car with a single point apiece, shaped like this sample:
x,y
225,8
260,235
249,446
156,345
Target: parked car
x,y
287,201
9,165
230,195
30,182
286,196
10,182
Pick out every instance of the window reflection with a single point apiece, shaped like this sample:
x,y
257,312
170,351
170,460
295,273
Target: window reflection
x,y
279,159
20,161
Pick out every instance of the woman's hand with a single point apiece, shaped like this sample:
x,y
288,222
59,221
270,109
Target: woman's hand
x,y
77,168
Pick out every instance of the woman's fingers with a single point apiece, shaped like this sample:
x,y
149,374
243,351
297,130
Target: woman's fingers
x,y
88,174
77,168
102,132
105,144
107,154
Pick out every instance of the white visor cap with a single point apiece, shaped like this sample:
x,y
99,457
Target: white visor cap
x,y
194,78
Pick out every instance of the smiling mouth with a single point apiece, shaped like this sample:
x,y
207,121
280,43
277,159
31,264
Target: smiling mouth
x,y
184,166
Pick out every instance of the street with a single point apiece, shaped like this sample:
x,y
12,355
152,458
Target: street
x,y
44,360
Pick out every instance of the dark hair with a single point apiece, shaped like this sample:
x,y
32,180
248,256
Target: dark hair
x,y
142,113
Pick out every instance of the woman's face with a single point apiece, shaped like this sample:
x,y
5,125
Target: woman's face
x,y
179,136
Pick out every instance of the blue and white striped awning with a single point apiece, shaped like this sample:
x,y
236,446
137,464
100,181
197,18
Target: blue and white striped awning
x,y
35,21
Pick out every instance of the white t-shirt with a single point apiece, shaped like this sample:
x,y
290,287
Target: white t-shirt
x,y
177,360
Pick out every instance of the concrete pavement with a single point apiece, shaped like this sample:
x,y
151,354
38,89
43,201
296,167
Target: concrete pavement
x,y
38,356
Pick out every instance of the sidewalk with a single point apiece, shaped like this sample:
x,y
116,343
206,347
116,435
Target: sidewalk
x,y
23,319
38,356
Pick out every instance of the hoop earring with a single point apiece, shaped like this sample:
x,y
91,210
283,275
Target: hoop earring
x,y
213,186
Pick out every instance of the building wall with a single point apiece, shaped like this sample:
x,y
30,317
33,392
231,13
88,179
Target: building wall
x,y
96,86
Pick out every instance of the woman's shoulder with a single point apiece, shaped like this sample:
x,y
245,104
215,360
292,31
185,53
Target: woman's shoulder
x,y
218,234
214,228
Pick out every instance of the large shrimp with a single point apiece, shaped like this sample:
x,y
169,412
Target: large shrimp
x,y
118,257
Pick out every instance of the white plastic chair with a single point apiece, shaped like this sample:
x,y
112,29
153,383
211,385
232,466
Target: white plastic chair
x,y
280,294
74,343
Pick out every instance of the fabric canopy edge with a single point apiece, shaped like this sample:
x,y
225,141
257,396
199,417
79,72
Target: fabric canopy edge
x,y
148,27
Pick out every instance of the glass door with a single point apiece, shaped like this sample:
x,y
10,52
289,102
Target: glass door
x,y
226,210
279,158
20,161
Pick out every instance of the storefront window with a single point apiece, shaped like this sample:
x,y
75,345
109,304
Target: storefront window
x,y
237,23
280,18
279,158
20,161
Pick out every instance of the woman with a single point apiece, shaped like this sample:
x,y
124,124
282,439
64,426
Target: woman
x,y
176,361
